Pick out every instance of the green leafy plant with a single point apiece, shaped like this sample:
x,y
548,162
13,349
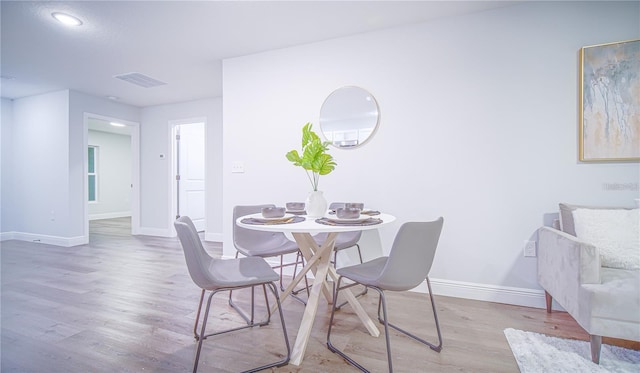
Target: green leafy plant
x,y
315,159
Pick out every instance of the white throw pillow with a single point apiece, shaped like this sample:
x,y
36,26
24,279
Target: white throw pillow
x,y
616,233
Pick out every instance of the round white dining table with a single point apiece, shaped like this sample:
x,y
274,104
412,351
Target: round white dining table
x,y
318,261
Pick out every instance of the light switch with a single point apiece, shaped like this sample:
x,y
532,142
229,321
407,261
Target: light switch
x,y
237,167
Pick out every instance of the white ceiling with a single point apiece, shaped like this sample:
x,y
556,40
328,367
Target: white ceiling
x,y
177,42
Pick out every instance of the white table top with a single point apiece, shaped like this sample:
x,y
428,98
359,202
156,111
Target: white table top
x,y
310,225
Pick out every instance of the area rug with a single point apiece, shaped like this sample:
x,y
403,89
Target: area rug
x,y
540,353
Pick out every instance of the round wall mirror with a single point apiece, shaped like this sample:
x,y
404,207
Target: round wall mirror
x,y
349,117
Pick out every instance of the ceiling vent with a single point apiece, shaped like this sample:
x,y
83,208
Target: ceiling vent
x,y
140,80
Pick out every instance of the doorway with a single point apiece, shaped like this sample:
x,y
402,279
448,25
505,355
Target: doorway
x,y
188,176
113,170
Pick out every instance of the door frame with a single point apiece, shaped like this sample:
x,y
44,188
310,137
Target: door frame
x,y
173,189
135,171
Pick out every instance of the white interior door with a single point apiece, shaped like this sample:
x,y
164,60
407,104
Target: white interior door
x,y
190,172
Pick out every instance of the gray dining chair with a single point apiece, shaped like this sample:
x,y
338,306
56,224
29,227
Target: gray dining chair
x,y
216,275
344,240
406,267
250,242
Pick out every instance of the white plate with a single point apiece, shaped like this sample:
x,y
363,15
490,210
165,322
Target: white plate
x,y
352,220
285,217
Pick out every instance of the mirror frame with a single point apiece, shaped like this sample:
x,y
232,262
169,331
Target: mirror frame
x,y
375,125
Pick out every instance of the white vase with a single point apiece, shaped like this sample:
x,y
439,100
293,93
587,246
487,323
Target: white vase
x,y
316,205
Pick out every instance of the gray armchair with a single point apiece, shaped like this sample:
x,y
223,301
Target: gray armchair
x,y
604,301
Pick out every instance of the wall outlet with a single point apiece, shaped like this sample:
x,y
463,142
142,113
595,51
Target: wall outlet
x,y
530,248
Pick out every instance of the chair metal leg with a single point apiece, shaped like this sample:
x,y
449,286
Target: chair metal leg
x,y
330,346
279,363
437,347
363,292
204,327
383,318
195,326
383,301
286,359
294,294
299,260
249,319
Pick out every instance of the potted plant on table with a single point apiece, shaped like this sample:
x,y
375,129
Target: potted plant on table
x,y
316,161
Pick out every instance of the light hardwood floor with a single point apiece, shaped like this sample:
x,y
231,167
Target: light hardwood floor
x,y
126,304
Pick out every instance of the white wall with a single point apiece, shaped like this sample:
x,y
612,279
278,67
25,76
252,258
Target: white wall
x,y
478,124
155,200
114,175
43,145
6,120
38,164
44,152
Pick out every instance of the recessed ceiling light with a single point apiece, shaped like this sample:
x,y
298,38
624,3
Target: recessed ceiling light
x,y
66,19
115,124
113,98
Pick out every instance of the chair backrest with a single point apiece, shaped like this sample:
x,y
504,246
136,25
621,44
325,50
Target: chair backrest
x,y
249,238
411,256
194,253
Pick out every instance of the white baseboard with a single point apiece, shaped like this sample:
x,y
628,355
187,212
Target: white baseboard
x,y
110,215
45,239
156,232
6,236
488,293
467,290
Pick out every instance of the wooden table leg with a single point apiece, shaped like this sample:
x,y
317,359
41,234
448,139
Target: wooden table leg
x,y
310,250
302,339
318,259
296,280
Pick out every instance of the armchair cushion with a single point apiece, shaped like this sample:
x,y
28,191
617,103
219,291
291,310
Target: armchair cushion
x,y
614,304
615,232
566,215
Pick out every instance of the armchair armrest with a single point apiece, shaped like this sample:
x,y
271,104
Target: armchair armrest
x,y
564,264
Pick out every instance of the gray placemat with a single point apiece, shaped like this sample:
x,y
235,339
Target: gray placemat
x,y
371,221
258,221
365,212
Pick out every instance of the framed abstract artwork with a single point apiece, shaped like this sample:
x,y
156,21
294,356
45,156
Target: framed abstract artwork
x,y
610,102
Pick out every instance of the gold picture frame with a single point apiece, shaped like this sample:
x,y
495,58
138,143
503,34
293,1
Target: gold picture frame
x,y
610,102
